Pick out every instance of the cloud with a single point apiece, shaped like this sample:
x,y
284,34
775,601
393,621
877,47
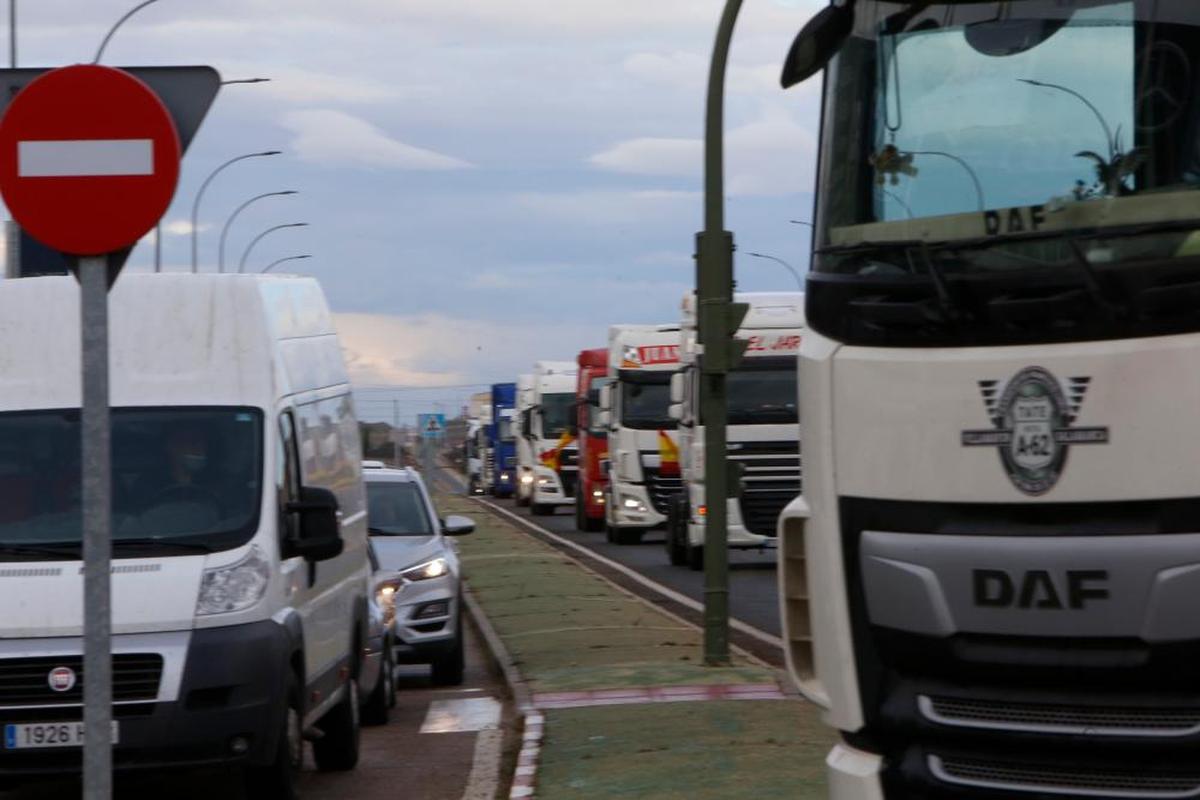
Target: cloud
x,y
334,138
181,227
653,156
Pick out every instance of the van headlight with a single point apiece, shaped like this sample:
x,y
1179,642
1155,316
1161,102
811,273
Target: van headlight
x,y
224,590
427,571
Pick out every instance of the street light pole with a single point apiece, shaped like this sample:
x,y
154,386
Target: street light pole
x,y
117,26
719,319
789,267
234,216
275,264
200,195
245,80
263,235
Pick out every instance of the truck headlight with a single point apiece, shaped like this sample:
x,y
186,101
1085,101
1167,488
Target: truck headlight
x,y
633,504
526,479
427,571
504,477
239,586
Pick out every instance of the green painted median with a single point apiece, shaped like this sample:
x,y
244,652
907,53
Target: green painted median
x,y
570,630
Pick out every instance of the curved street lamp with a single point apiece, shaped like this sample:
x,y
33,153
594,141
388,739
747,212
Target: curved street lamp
x,y
245,80
275,264
789,267
119,23
263,235
200,195
234,215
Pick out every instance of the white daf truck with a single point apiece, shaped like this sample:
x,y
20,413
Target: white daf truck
x,y
526,458
239,533
643,449
547,430
990,581
763,430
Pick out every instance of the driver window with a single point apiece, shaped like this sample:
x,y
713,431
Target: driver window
x,y
287,475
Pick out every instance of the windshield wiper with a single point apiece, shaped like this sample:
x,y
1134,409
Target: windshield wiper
x,y
150,541
64,551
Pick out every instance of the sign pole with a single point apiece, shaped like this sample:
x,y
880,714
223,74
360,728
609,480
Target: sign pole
x,y
97,531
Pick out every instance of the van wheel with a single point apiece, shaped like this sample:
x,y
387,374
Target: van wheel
x,y
383,697
676,549
695,558
277,780
448,670
337,749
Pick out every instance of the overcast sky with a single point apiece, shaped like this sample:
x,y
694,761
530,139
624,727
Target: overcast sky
x,y
489,182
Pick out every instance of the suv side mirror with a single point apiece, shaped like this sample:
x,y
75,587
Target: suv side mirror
x,y
454,525
320,534
677,388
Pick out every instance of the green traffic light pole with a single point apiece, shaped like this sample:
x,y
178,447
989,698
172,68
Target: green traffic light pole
x,y
719,319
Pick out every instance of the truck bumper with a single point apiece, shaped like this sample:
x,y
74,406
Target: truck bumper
x,y
632,508
853,774
228,710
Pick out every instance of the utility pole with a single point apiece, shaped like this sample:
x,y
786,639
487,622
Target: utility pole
x,y
396,433
719,319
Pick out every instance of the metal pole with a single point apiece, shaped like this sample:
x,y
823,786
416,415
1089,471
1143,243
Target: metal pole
x,y
260,237
232,217
97,532
714,298
200,195
786,265
395,433
158,247
276,263
12,33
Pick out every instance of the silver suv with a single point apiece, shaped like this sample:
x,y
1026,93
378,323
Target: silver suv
x,y
423,595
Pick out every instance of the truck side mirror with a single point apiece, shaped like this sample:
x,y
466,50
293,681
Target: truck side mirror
x,y
604,418
675,411
677,388
320,532
606,398
818,43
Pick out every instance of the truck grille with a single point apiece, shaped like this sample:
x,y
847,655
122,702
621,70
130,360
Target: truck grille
x,y
662,489
1079,783
569,457
771,479
1061,719
570,480
26,681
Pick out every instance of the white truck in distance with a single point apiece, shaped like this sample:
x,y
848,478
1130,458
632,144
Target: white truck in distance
x,y
548,456
644,470
763,432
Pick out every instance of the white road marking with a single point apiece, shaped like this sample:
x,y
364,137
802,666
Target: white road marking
x,y
459,716
669,593
484,779
85,158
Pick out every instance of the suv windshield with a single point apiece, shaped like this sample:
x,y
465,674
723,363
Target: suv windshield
x,y
186,478
645,400
397,509
1035,140
556,414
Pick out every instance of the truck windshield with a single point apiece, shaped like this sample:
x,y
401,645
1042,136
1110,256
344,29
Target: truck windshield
x,y
763,391
645,400
184,480
556,414
397,509
1014,142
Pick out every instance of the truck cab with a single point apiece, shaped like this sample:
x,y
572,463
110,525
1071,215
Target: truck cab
x,y
644,467
526,460
548,430
501,441
763,427
593,440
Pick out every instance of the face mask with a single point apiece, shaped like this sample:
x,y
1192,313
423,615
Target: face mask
x,y
194,462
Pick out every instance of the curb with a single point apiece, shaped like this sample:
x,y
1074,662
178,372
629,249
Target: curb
x,y
525,776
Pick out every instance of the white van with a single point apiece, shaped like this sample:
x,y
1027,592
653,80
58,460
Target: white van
x,y
239,581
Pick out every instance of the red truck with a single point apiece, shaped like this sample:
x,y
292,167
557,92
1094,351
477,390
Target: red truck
x,y
593,440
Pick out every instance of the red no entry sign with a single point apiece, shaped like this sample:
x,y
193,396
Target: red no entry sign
x,y
89,159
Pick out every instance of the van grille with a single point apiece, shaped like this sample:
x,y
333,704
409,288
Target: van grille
x,y
1080,783
25,681
1062,719
771,479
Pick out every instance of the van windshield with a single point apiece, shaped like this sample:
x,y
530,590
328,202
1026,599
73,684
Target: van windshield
x,y
184,480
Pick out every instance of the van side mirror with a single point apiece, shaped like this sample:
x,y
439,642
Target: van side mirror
x,y
675,411
455,525
818,42
677,388
320,534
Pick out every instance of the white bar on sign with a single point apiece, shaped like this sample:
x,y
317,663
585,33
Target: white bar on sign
x,y
85,158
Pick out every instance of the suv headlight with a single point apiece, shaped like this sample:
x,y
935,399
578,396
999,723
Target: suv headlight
x,y
236,587
427,571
